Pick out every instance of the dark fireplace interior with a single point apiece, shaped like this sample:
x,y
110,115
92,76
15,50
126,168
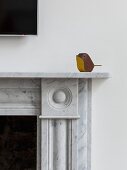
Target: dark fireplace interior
x,y
18,142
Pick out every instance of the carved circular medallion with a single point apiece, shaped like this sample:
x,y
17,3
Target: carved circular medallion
x,y
59,98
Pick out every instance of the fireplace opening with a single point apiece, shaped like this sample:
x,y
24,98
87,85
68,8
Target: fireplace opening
x,y
18,142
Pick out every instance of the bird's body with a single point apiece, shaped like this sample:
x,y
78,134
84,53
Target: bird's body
x,y
84,62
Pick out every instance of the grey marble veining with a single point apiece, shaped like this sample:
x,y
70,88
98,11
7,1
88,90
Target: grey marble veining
x,y
54,75
67,139
84,124
20,96
59,145
59,134
62,102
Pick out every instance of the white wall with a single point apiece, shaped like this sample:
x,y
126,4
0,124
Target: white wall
x,y
98,27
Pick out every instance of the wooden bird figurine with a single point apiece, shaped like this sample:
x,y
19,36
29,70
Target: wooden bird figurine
x,y
84,62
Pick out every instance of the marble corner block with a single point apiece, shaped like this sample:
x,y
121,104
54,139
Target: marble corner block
x,y
59,98
65,124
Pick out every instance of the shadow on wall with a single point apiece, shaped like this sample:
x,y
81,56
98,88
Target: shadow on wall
x,y
98,83
12,41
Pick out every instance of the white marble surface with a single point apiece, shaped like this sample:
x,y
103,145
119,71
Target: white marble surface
x,y
84,124
59,122
64,139
20,96
66,108
54,75
67,142
59,144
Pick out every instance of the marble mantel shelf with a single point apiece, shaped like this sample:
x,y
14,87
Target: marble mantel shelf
x,y
54,75
62,104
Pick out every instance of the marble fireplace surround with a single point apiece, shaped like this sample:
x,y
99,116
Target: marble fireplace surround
x,y
62,104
